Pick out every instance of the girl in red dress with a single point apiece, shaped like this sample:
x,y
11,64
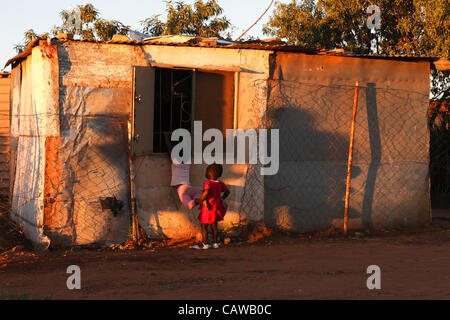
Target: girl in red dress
x,y
211,204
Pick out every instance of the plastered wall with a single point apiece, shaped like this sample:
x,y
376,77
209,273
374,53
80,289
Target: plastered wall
x,y
311,101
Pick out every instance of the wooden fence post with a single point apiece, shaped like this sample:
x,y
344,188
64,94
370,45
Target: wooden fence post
x,y
350,156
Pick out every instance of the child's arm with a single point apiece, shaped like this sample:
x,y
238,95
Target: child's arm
x,y
225,190
226,194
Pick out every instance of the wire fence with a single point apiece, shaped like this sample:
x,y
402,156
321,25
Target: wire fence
x,y
87,191
389,173
86,185
75,187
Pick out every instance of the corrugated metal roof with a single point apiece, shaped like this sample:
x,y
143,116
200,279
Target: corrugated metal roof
x,y
277,46
270,44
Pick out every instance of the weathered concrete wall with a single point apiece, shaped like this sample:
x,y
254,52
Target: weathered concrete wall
x,y
159,209
34,118
92,159
311,101
71,111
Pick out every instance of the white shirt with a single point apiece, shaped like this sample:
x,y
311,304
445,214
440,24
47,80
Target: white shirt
x,y
180,174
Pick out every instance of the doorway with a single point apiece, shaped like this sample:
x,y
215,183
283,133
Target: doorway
x,y
166,99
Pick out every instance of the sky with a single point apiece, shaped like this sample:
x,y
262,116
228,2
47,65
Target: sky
x,y
20,15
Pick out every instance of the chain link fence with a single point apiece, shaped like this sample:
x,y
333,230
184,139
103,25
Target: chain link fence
x,y
389,174
75,188
87,175
87,190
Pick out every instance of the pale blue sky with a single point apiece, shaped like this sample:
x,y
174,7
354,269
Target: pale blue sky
x,y
20,15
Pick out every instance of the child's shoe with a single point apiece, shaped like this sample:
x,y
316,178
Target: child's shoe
x,y
215,246
201,246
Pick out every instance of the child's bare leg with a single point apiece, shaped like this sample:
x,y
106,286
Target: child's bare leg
x,y
204,232
214,227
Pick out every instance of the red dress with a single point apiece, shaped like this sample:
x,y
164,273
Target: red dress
x,y
217,211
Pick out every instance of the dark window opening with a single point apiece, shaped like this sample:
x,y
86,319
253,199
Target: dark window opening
x,y
173,104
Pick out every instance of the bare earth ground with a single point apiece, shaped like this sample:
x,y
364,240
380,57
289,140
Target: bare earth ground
x,y
414,265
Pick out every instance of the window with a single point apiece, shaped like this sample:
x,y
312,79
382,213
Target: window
x,y
173,104
168,99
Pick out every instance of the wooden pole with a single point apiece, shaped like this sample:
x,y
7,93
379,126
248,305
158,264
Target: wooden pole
x,y
134,218
131,133
350,156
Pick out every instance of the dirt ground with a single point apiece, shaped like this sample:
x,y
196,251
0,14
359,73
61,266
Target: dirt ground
x,y
414,265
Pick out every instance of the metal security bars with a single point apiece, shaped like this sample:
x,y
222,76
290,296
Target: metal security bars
x,y
173,104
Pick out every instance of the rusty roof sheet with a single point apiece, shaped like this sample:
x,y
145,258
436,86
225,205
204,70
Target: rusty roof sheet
x,y
24,54
270,44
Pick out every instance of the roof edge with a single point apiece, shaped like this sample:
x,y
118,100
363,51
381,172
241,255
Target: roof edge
x,y
25,53
441,64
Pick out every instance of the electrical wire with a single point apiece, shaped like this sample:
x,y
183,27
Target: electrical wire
x,y
271,3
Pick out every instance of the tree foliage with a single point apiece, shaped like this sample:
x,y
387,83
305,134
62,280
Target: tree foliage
x,y
410,27
82,21
29,36
203,19
153,26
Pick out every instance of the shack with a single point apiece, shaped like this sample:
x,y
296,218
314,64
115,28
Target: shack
x,y
87,123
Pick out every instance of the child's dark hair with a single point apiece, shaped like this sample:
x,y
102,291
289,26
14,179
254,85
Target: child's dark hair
x,y
214,171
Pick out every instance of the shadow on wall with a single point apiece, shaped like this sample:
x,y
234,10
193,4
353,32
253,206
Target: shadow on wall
x,y
88,163
375,154
308,192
